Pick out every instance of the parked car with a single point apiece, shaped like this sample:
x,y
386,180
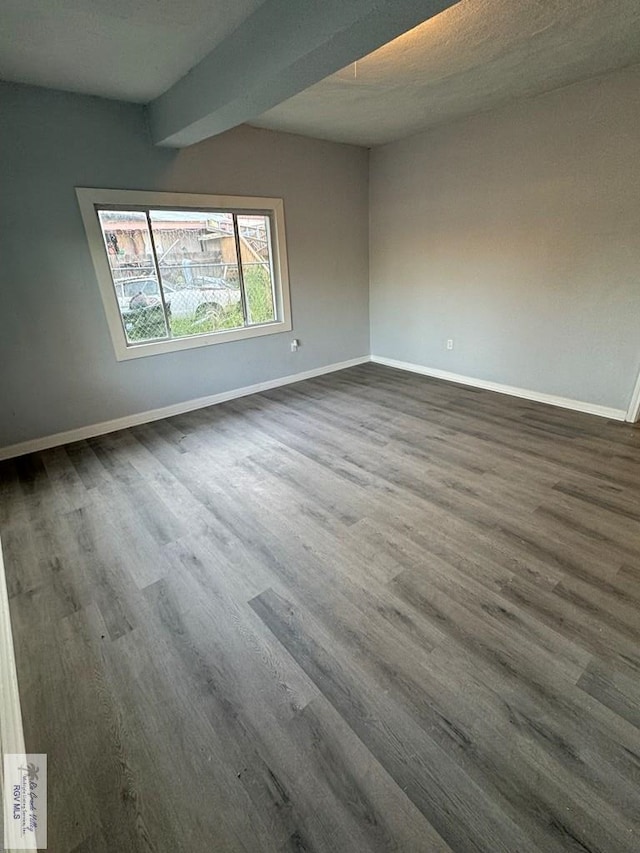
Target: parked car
x,y
194,302
145,317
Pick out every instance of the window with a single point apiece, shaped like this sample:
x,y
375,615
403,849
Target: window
x,y
179,271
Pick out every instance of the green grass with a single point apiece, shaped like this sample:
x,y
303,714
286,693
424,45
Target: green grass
x,y
259,296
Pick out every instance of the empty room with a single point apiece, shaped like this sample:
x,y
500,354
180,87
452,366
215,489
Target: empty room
x,y
319,440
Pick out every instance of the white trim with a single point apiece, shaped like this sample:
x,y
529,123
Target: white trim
x,y
538,396
11,730
92,430
633,412
88,198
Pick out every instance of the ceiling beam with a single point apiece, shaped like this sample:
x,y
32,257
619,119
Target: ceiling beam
x,y
285,46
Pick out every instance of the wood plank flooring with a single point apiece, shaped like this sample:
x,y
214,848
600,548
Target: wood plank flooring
x,y
367,612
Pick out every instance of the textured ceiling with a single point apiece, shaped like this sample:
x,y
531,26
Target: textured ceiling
x,y
127,49
472,57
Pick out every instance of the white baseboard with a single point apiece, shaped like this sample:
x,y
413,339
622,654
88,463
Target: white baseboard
x,y
104,427
11,731
92,430
538,396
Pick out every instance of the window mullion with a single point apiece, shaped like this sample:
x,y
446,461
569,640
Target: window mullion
x,y
158,276
274,296
243,295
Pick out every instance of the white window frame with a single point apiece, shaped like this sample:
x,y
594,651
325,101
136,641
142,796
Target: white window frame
x,y
90,199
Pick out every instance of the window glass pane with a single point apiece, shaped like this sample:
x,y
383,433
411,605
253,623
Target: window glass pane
x,y
257,270
128,245
198,265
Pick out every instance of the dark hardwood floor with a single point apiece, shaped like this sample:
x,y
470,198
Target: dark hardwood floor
x,y
367,612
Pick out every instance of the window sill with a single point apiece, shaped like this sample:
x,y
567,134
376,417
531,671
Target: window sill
x,y
126,351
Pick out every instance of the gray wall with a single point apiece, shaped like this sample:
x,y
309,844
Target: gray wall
x,y
517,234
58,366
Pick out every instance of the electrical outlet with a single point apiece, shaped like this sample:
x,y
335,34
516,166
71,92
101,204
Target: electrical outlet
x,y
449,343
295,344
